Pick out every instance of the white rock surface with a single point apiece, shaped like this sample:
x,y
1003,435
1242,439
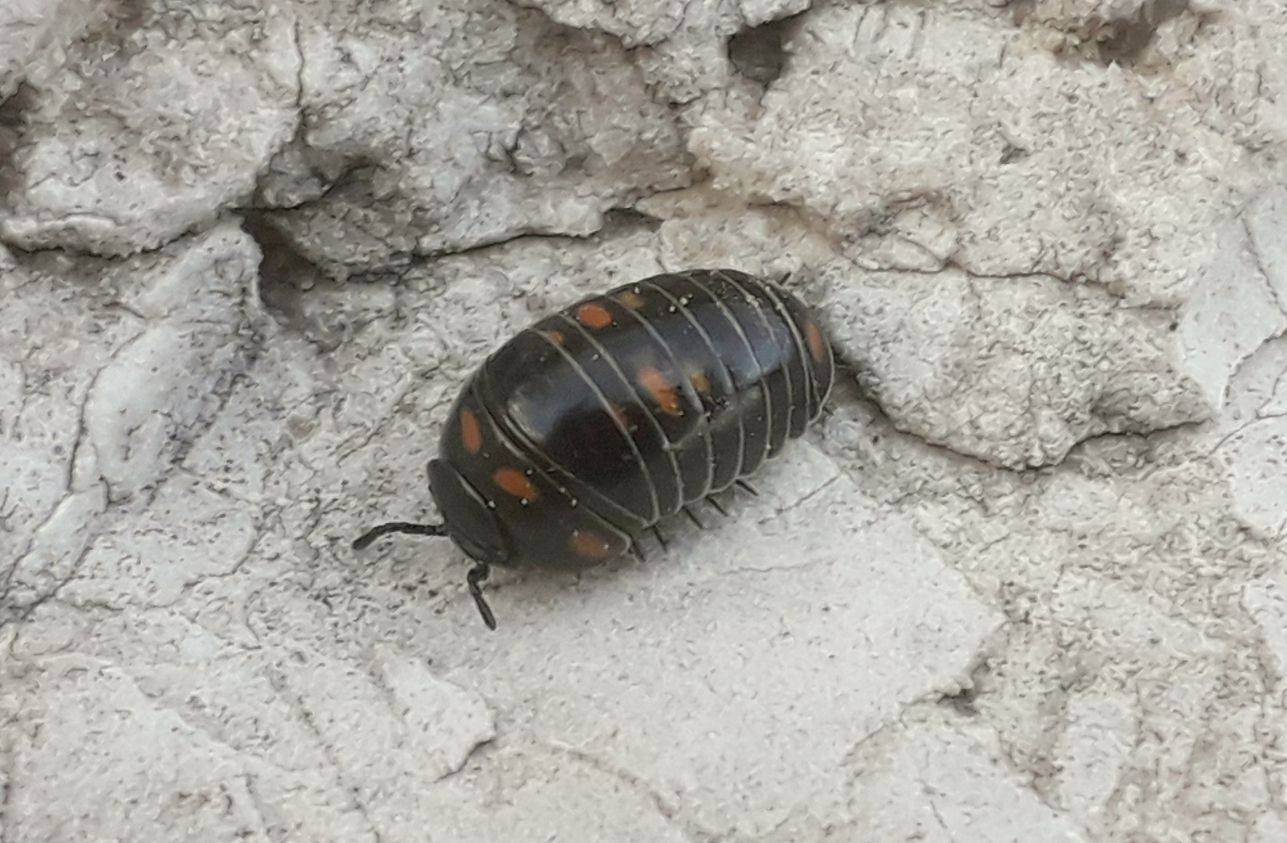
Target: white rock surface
x,y
114,369
947,780
1025,581
688,49
34,35
1013,370
431,130
160,116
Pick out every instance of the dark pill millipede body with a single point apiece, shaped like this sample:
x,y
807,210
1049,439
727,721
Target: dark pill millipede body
x,y
598,421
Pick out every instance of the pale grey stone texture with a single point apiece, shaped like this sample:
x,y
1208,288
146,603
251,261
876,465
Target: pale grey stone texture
x,y
1008,162
683,48
946,779
1023,581
158,117
1250,439
34,35
211,741
430,131
1015,370
161,342
1128,668
1241,299
952,140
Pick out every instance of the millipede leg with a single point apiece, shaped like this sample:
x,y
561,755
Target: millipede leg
x,y
656,531
719,506
477,575
694,518
636,549
742,484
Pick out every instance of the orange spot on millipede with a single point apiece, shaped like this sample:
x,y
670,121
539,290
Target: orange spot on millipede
x,y
555,337
593,315
700,382
817,345
471,435
662,391
590,545
631,299
514,482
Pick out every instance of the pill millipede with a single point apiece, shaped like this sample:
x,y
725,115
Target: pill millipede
x,y
624,408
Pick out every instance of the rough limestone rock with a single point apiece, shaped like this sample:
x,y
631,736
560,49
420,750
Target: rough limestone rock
x,y
688,49
158,344
429,132
161,115
1013,370
949,145
34,35
1026,576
